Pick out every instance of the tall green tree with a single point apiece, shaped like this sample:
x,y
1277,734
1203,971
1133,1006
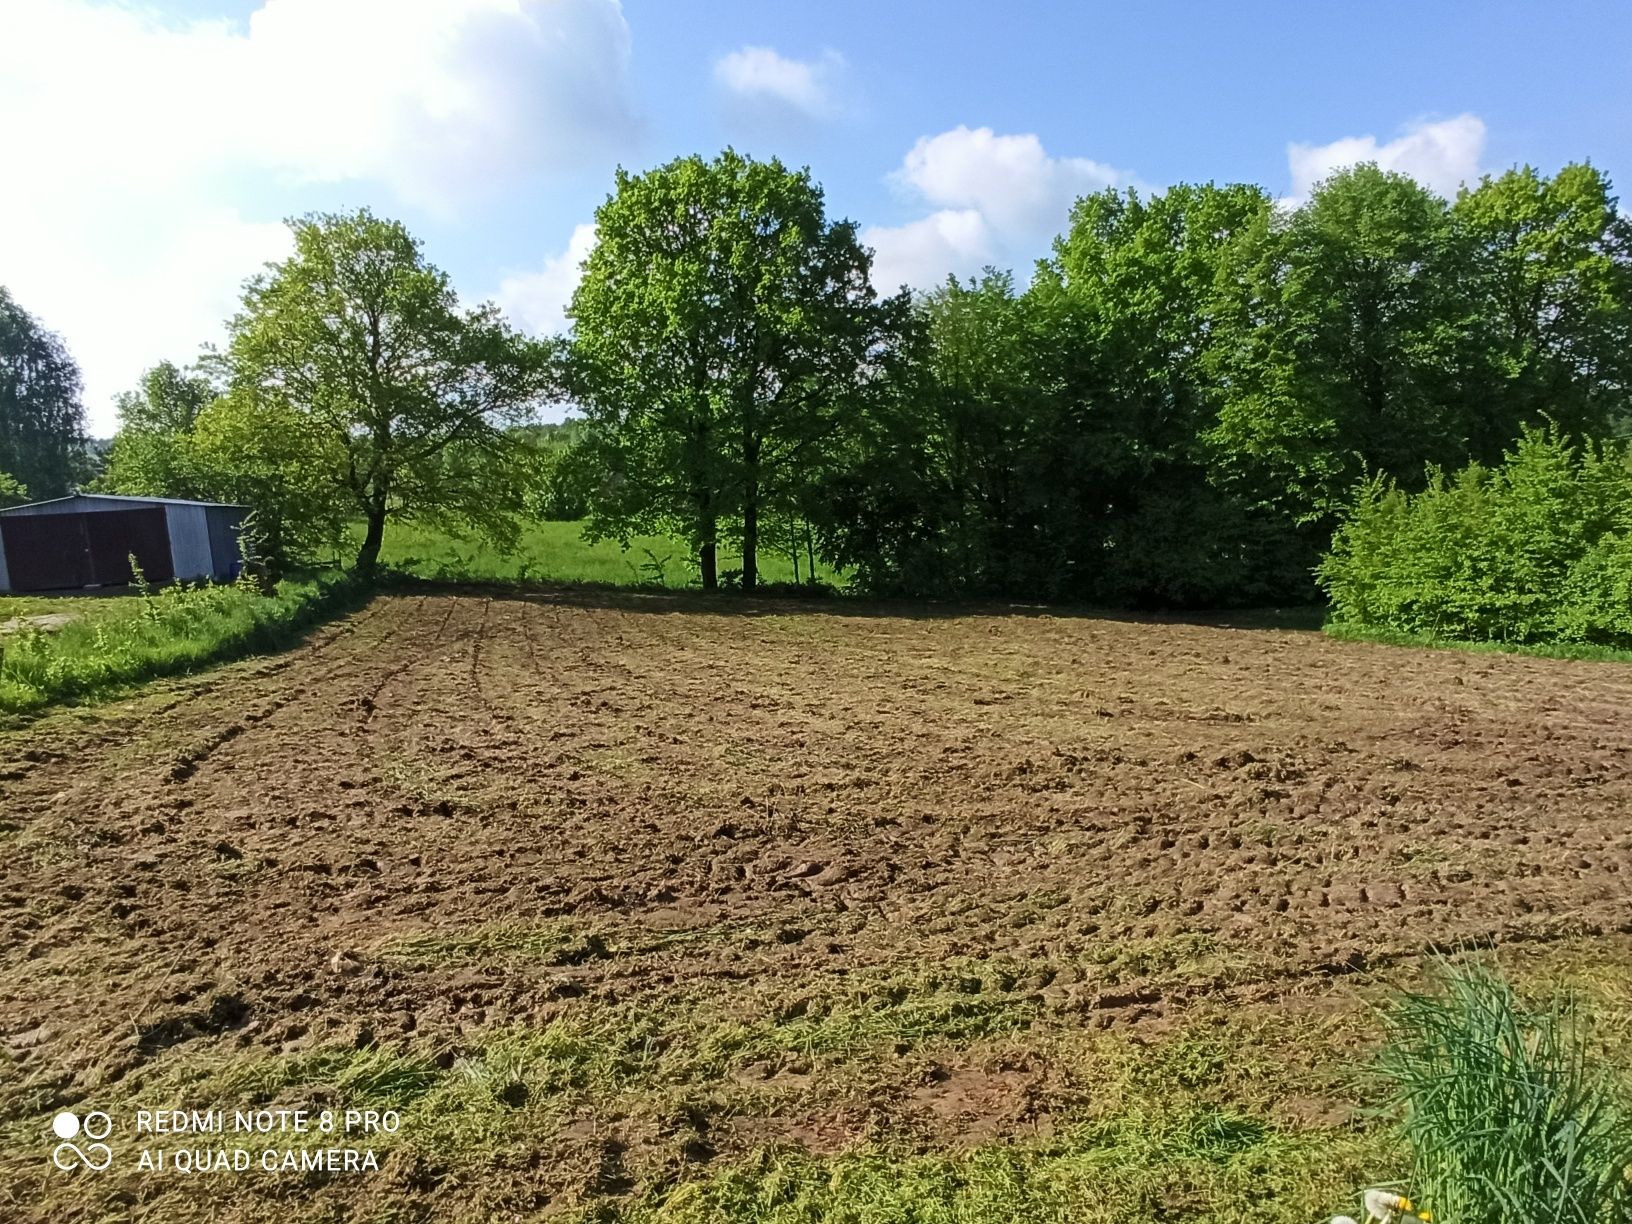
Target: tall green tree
x,y
941,495
722,331
42,423
152,452
1344,347
1552,279
365,341
1129,304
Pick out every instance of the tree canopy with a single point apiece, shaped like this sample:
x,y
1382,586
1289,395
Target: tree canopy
x,y
722,330
42,424
152,452
398,396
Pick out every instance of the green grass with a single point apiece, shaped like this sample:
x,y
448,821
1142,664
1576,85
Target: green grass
x,y
80,607
1169,1161
124,641
1181,1122
816,1101
1509,1110
557,552
1554,650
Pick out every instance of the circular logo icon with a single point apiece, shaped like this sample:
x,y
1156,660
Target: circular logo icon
x,y
94,1156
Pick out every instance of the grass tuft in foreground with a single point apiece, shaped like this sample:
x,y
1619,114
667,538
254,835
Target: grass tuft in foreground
x,y
1508,1113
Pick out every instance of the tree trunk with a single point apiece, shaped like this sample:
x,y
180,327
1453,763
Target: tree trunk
x,y
708,550
710,567
368,557
750,515
750,540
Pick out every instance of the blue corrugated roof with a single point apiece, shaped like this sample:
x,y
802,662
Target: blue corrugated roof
x,y
152,501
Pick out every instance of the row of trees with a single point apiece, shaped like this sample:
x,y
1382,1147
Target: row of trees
x,y
1175,410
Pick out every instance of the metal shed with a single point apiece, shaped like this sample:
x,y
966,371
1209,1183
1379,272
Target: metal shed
x,y
87,539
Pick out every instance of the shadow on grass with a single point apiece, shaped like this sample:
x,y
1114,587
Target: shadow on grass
x,y
786,602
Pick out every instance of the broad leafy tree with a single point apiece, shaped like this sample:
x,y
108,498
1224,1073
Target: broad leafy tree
x,y
1552,285
42,424
723,330
152,453
402,396
1128,309
1344,345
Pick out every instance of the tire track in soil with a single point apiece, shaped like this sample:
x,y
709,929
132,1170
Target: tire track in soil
x,y
189,762
72,740
180,824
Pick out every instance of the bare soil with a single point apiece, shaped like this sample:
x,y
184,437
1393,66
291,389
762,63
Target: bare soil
x,y
1137,814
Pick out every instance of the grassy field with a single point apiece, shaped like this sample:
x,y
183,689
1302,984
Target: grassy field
x,y
18,611
557,552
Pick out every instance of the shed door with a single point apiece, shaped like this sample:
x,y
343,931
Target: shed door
x,y
46,552
115,534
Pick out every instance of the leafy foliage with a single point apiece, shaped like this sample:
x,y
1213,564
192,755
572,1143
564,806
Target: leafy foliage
x,y
12,490
42,426
1179,407
152,453
724,330
1551,287
1506,1114
1052,443
1536,549
396,395
560,482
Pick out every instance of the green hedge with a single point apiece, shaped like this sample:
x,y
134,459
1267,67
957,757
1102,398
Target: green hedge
x,y
1537,550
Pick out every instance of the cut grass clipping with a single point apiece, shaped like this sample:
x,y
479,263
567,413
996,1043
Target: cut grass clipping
x,y
1509,1115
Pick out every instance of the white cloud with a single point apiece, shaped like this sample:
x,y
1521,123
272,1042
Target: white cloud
x,y
1011,180
1441,156
921,253
1000,199
142,138
538,301
760,74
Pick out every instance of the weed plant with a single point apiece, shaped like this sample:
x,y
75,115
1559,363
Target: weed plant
x,y
1509,1116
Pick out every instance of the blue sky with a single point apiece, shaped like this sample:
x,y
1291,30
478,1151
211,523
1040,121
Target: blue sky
x,y
170,138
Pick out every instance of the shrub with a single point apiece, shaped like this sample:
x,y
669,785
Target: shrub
x,y
1538,549
1507,1116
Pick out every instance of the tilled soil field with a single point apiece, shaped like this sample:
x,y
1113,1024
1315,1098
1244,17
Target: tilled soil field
x,y
604,893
